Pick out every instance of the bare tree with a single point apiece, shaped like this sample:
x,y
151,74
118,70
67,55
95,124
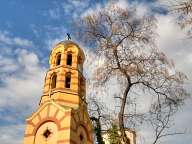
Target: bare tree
x,y
184,7
126,43
183,10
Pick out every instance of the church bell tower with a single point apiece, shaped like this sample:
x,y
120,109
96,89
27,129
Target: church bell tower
x,y
62,116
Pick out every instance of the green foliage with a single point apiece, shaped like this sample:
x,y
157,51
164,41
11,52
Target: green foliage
x,y
114,137
97,129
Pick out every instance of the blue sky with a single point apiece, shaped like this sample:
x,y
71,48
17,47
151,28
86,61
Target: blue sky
x,y
29,29
40,21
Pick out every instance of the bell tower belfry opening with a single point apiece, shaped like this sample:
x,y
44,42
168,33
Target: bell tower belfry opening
x,y
62,116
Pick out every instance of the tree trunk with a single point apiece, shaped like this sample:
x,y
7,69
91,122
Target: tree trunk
x,y
124,98
121,115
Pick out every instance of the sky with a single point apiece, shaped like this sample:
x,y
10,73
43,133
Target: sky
x,y
28,31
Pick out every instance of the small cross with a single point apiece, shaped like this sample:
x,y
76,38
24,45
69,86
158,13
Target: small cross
x,y
68,36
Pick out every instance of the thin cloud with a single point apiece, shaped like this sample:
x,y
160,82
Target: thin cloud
x,y
6,39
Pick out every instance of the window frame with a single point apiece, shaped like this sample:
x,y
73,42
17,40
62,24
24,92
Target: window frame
x,y
69,60
54,79
68,80
58,57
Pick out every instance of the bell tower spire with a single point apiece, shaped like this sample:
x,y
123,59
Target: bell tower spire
x,y
62,116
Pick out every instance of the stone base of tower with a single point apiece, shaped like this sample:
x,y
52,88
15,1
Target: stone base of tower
x,y
56,124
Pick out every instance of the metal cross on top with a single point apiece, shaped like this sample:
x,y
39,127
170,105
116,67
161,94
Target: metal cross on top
x,y
68,36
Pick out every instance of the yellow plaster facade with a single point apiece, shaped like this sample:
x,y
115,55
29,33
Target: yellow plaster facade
x,y
62,116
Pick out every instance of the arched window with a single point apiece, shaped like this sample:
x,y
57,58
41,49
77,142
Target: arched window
x,y
58,59
80,60
53,81
80,64
81,86
68,80
69,59
82,134
82,140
